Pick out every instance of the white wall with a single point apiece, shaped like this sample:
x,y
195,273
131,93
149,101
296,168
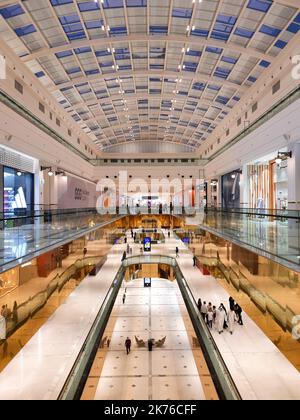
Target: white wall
x,y
73,192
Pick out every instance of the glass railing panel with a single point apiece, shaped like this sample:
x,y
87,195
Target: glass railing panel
x,y
273,232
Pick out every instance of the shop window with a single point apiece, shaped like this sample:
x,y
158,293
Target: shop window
x,y
18,192
254,107
227,132
70,133
57,122
239,122
276,87
51,116
19,87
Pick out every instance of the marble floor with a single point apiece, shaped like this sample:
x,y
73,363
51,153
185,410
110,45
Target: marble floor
x,y
168,373
39,371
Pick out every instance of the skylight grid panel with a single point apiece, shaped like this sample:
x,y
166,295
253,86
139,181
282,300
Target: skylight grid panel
x,y
280,15
178,27
96,33
34,42
232,8
262,43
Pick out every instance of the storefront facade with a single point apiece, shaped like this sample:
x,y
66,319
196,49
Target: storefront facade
x,y
231,189
266,184
19,191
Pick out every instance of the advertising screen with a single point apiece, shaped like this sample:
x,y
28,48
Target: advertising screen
x,y
147,282
147,244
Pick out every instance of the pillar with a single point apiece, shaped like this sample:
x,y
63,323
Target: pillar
x,y
294,178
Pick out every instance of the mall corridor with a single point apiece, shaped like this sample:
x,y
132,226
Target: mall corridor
x,y
149,141
167,373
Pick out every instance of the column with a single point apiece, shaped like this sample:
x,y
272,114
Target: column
x,y
294,178
294,199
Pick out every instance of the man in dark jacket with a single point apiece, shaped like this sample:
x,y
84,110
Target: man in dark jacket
x,y
128,345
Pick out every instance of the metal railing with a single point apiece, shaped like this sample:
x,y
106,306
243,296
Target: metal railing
x,y
76,380
221,376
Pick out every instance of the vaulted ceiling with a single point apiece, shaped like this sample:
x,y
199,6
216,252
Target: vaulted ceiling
x,y
148,70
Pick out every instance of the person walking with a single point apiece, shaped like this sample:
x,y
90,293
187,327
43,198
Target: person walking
x,y
150,344
108,343
231,321
125,240
169,234
124,256
221,317
124,298
214,314
128,249
85,251
225,326
128,345
210,318
231,303
199,304
239,311
194,261
177,252
204,311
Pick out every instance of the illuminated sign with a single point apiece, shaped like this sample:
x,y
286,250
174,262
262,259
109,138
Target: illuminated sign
x,y
147,282
147,244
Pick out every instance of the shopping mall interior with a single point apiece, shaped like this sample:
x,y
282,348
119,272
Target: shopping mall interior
x,y
150,200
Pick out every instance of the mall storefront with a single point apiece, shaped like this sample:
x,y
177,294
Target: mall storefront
x,y
261,184
17,191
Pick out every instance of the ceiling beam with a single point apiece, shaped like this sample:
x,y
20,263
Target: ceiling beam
x,y
149,73
290,3
179,39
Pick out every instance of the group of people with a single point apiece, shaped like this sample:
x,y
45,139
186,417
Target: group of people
x,y
221,317
128,344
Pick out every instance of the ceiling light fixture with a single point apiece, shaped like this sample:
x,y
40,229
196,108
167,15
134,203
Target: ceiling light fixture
x,y
282,156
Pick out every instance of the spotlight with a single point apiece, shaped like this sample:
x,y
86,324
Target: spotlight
x,y
282,156
50,173
19,173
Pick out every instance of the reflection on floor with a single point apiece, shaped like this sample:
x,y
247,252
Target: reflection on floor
x,y
168,373
18,340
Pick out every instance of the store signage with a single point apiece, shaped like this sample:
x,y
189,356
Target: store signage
x,y
81,195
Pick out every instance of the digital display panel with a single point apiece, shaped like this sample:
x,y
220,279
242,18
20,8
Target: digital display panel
x,y
147,282
147,244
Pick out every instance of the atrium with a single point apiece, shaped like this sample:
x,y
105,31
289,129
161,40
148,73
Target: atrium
x,y
150,202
